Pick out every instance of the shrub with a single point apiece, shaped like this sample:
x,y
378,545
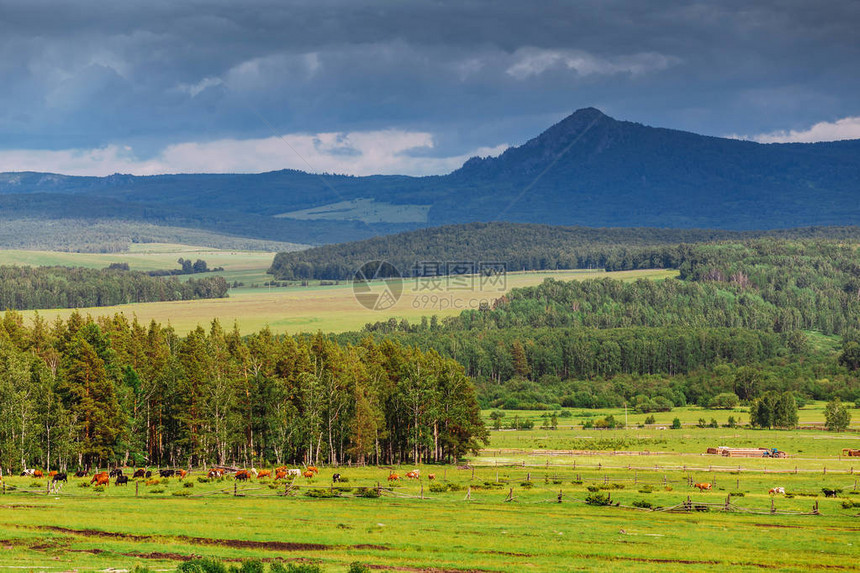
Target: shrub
x,y
676,424
848,504
643,504
201,479
356,567
438,488
181,493
736,493
344,479
724,401
646,489
36,484
156,490
321,493
702,423
369,492
713,423
250,566
588,425
732,423
153,481
527,484
612,486
592,488
99,488
188,484
597,498
204,565
651,420
84,484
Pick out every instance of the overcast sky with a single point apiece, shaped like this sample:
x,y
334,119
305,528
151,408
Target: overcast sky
x,y
411,87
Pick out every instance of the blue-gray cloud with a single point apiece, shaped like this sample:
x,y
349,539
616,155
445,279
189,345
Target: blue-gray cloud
x,y
150,75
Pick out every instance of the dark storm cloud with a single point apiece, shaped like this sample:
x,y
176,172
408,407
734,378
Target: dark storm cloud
x,y
472,73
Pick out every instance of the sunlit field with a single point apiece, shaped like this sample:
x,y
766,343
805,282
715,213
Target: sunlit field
x,y
291,309
493,513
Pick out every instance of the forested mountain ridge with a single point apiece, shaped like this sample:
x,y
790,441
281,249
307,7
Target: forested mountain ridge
x,y
523,246
589,169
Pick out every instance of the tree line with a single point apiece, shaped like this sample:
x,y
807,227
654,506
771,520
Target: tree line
x,y
86,393
525,247
24,288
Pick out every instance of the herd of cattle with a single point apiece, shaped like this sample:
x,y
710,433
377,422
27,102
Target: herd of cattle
x,y
279,473
103,478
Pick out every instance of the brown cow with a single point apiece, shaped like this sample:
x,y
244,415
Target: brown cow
x,y
313,469
243,475
393,477
181,473
264,473
102,478
280,474
38,474
431,477
215,473
139,473
702,486
414,474
51,474
308,474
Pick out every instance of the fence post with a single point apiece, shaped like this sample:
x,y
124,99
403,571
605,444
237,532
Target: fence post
x,y
825,470
468,494
136,487
234,489
772,506
422,491
559,496
529,476
473,472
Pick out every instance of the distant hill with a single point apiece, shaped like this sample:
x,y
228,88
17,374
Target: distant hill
x,y
588,169
520,246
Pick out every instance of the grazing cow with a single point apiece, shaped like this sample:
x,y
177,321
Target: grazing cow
x,y
166,473
264,473
28,473
139,473
702,486
60,476
776,490
121,480
38,474
280,474
431,477
102,478
181,473
215,473
309,474
313,469
81,474
51,474
393,477
294,472
414,474
148,474
243,475
335,478
116,472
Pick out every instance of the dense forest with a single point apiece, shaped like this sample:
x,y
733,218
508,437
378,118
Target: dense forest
x,y
743,317
523,247
23,288
87,393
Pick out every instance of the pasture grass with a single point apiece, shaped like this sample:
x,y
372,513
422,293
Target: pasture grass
x,y
81,529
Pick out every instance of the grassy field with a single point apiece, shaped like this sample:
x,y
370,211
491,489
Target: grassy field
x,y
460,521
291,309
